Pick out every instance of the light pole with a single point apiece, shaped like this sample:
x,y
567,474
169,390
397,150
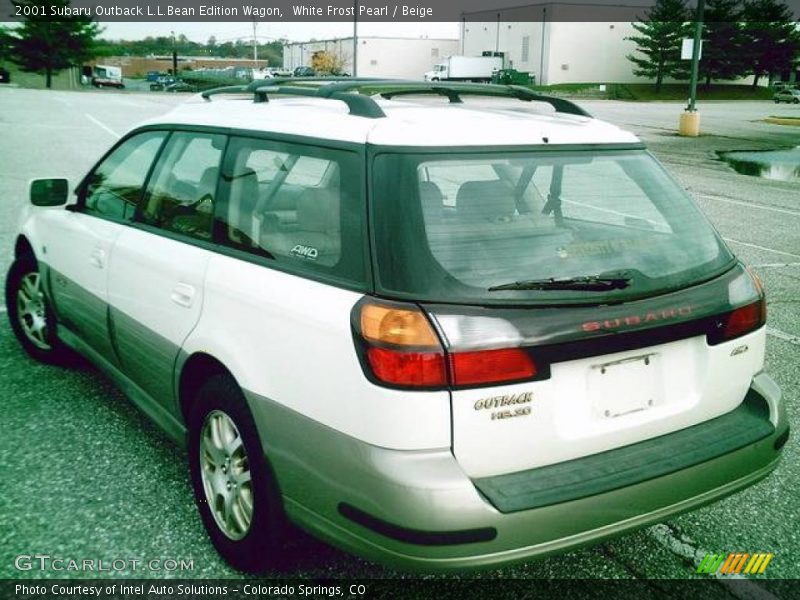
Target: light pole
x,y
690,121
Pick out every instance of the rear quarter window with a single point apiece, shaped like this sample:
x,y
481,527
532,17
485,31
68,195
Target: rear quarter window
x,y
299,206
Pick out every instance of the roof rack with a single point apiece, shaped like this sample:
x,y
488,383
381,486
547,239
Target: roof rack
x,y
362,105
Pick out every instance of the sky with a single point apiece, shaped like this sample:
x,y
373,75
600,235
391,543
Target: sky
x,y
229,31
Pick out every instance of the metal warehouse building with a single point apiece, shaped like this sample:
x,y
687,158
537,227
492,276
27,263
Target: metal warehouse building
x,y
549,41
405,58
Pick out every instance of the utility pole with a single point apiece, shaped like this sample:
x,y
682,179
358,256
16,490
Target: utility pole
x,y
174,56
355,38
689,124
255,46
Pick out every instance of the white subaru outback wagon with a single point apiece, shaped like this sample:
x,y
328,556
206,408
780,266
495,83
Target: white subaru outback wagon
x,y
437,334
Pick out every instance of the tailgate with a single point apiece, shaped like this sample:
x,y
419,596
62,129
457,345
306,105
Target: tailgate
x,y
607,377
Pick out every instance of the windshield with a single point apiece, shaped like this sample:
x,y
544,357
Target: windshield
x,y
477,227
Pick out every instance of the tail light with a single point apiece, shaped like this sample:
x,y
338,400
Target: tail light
x,y
400,348
744,319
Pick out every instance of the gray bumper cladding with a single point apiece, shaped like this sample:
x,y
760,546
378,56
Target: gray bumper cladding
x,y
632,464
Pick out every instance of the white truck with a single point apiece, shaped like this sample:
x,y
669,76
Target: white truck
x,y
107,76
465,68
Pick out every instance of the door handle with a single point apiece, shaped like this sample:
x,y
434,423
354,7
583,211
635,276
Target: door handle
x,y
183,295
98,258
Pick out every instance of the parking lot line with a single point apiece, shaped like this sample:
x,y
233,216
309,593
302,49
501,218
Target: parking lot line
x,y
757,247
102,125
785,211
782,335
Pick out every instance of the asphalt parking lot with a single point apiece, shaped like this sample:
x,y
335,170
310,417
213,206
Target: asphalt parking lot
x,y
86,475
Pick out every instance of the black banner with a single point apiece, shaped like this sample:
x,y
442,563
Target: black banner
x,y
335,10
424,589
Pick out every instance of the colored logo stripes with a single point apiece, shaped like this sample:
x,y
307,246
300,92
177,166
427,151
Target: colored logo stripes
x,y
729,564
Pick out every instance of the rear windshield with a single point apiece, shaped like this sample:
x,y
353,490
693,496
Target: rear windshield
x,y
454,227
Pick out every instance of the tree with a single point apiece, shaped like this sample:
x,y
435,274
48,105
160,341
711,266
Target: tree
x,y
771,38
5,45
330,62
723,42
660,42
44,45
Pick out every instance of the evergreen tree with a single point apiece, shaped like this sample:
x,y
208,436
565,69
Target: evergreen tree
x,y
44,45
723,42
771,38
660,42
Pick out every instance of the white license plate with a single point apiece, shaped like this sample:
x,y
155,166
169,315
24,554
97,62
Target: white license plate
x,y
625,386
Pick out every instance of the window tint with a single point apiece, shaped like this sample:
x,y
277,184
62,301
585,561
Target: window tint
x,y
115,187
181,193
298,205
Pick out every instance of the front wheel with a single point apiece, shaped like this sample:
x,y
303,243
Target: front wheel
x,y
234,487
30,313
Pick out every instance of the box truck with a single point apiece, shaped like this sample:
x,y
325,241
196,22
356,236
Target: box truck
x,y
465,68
107,76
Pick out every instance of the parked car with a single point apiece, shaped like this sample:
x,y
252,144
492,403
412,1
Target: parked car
x,y
152,76
180,86
5,76
789,95
280,72
439,336
304,72
162,83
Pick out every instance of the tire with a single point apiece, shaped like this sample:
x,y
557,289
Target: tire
x,y
796,101
251,545
30,313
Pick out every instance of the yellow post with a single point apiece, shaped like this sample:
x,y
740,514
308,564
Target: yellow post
x,y
689,124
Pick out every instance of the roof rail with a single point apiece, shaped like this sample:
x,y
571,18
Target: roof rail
x,y
454,91
341,88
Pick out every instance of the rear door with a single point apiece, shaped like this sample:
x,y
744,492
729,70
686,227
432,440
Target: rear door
x,y
158,265
79,242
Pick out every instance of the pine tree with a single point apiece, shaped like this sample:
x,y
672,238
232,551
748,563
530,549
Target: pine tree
x,y
723,42
45,45
660,42
771,38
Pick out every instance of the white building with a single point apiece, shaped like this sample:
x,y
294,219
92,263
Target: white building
x,y
548,41
406,58
561,43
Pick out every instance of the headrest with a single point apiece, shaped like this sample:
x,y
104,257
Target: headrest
x,y
318,211
485,199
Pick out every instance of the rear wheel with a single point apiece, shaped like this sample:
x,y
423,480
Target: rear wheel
x,y
30,314
234,487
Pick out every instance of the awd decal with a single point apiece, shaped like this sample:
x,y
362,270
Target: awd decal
x,y
735,562
308,252
513,405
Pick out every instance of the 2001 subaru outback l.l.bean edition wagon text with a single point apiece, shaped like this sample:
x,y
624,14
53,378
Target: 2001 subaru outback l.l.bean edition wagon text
x,y
436,334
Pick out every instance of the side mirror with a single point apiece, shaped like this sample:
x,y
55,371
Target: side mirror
x,y
49,192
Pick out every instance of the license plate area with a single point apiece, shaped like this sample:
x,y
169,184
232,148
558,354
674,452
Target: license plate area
x,y
626,386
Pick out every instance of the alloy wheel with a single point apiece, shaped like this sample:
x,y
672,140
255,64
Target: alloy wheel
x,y
32,310
225,471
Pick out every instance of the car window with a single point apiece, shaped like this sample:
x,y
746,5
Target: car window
x,y
455,228
114,188
299,206
180,196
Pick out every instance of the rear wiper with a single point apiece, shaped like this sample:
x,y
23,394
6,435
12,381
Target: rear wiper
x,y
588,283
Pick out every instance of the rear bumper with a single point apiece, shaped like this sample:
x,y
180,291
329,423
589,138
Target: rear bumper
x,y
418,510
